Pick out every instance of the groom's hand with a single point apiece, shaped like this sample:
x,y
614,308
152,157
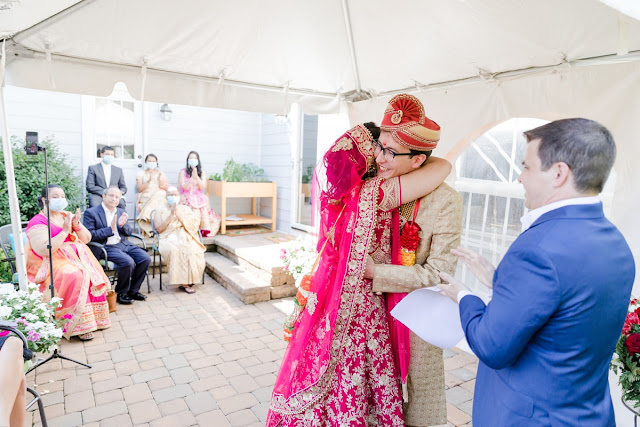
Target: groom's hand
x,y
369,268
451,287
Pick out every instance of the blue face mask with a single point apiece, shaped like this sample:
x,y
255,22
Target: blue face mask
x,y
152,165
172,200
57,205
193,162
107,159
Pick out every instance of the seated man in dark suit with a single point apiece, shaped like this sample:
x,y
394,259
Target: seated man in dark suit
x,y
108,225
104,175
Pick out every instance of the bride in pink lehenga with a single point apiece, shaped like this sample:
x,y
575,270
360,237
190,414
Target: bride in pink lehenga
x,y
339,367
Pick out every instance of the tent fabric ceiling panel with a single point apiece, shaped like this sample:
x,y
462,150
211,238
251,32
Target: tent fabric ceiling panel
x,y
304,45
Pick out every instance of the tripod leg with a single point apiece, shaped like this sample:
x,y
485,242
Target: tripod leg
x,y
60,356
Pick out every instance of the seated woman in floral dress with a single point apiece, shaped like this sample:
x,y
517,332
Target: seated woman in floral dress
x,y
151,184
192,184
78,277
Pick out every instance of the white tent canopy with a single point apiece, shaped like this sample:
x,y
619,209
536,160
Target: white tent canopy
x,y
262,56
472,62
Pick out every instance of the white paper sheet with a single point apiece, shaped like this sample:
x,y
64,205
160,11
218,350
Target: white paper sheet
x,y
234,218
431,316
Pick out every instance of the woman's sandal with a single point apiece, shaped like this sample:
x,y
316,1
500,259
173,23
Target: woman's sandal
x,y
188,289
86,337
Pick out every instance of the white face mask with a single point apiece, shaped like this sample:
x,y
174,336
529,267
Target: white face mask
x,y
107,159
193,162
172,200
57,204
152,165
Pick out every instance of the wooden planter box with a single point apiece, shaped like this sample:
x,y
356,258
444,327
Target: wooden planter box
x,y
225,190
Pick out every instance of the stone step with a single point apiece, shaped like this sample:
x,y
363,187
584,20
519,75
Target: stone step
x,y
258,256
243,285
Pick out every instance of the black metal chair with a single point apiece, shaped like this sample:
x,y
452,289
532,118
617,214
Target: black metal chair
x,y
6,326
110,268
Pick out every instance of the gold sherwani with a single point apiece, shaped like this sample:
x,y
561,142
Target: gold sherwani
x,y
440,218
180,245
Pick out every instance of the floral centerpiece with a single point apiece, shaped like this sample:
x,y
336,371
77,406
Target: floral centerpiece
x,y
35,317
626,359
298,258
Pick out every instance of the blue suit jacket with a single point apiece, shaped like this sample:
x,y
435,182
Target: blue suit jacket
x,y
96,222
560,298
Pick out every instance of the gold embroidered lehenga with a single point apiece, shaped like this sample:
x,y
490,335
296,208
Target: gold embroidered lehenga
x,y
339,367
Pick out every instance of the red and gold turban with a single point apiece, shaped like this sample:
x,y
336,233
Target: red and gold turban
x,y
404,118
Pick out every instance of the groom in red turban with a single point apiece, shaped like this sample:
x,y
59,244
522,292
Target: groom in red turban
x,y
408,136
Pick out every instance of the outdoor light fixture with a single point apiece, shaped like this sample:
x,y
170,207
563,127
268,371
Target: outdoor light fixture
x,y
281,119
166,111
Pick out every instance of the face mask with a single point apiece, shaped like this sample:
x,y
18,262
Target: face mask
x,y
57,205
107,159
152,165
172,200
193,162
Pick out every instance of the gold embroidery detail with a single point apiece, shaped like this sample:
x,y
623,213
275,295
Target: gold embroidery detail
x,y
342,144
397,117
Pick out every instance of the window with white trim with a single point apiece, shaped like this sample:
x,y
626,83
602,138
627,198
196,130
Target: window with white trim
x,y
493,199
115,123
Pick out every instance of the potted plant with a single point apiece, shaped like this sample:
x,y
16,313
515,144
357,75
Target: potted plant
x,y
243,180
35,318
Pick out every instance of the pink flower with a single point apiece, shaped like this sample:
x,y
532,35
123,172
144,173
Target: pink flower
x,y
632,319
68,316
33,336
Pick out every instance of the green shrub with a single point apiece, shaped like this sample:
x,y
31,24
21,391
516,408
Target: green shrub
x,y
29,177
239,172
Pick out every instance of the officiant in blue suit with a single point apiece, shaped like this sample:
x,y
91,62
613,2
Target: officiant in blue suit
x,y
560,294
104,175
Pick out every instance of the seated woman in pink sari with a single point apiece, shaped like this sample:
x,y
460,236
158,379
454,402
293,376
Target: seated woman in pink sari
x,y
192,184
339,367
77,276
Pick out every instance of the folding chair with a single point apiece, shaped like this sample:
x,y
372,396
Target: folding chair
x,y
7,326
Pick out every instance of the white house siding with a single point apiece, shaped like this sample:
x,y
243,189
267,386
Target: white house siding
x,y
217,135
51,114
277,162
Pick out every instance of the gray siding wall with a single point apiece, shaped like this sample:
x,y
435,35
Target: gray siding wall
x,y
51,114
216,134
277,163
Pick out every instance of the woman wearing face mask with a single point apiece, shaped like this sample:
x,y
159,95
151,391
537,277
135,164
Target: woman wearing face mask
x,y
192,184
180,245
77,276
151,184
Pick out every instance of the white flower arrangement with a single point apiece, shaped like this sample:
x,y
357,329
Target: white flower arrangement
x,y
35,317
298,257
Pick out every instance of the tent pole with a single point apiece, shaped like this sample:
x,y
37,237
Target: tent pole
x,y
352,48
13,196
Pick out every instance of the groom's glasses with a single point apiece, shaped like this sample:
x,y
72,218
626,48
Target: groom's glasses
x,y
387,152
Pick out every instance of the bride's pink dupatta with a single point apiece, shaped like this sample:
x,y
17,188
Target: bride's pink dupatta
x,y
301,381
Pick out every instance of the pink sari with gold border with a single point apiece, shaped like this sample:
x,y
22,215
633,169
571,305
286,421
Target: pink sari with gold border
x,y
339,366
78,279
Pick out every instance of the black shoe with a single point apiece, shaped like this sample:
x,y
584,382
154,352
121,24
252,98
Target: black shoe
x,y
138,296
124,299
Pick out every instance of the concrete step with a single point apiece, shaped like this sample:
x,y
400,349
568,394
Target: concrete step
x,y
258,256
243,285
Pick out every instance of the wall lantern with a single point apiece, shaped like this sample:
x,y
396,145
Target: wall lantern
x,y
166,111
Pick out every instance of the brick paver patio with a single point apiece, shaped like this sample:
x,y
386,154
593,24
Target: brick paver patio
x,y
184,360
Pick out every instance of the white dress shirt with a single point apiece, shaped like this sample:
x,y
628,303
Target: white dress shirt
x,y
107,173
532,216
116,236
